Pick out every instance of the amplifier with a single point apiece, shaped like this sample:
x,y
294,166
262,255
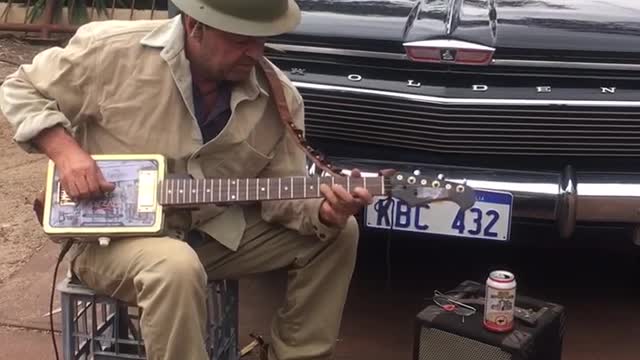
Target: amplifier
x,y
445,335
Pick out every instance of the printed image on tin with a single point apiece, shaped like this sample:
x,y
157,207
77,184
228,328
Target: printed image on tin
x,y
117,209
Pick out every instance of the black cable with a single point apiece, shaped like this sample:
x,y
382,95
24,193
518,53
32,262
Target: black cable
x,y
65,248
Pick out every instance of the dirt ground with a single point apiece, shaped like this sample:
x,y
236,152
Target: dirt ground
x,y
21,176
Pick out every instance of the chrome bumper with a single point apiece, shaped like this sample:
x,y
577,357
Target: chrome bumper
x,y
567,197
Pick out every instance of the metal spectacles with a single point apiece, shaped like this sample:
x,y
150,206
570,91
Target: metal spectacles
x,y
447,303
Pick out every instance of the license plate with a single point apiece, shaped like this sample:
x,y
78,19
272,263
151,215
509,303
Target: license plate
x,y
489,218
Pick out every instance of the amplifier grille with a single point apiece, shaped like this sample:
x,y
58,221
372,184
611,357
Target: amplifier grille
x,y
441,345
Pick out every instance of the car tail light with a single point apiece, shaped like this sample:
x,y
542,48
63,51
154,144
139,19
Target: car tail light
x,y
449,51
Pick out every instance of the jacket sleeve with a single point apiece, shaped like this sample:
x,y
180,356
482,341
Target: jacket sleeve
x,y
300,215
57,88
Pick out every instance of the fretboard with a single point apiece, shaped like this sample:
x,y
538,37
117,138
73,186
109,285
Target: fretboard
x,y
206,191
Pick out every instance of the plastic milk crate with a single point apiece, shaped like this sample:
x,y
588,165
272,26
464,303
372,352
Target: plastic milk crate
x,y
99,327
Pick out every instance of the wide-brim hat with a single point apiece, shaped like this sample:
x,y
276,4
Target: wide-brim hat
x,y
245,17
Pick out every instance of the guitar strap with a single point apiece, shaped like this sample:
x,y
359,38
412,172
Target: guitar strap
x,y
277,93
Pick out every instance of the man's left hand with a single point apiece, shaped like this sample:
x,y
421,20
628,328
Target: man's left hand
x,y
339,204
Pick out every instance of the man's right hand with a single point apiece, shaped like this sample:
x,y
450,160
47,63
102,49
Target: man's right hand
x,y
81,177
79,173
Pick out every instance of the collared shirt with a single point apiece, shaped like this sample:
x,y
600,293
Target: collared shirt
x,y
212,121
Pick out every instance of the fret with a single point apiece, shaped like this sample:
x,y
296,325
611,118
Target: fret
x,y
364,182
197,180
204,190
183,190
237,189
268,186
262,190
190,189
348,184
171,191
333,181
304,183
246,195
279,188
257,188
228,187
178,191
174,191
211,189
292,187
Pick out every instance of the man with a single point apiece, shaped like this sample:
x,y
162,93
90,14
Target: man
x,y
189,88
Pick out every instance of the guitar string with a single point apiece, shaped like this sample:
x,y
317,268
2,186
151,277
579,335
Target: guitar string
x,y
232,187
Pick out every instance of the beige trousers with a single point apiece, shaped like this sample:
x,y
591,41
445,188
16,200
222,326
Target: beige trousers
x,y
167,279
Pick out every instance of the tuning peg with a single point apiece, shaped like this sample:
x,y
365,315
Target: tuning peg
x,y
441,177
416,172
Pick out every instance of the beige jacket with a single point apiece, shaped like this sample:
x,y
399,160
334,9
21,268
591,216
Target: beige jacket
x,y
125,87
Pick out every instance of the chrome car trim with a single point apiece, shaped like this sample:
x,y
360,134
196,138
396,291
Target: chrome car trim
x,y
449,44
497,62
567,196
567,202
565,64
336,51
464,101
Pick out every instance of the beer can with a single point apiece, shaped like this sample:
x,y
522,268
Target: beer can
x,y
500,301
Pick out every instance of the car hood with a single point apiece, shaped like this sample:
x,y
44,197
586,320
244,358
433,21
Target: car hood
x,y
590,26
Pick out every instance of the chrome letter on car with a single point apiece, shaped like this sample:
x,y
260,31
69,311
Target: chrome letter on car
x,y
354,77
480,88
413,84
544,89
610,90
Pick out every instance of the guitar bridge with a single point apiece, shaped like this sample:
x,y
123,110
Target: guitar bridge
x,y
147,190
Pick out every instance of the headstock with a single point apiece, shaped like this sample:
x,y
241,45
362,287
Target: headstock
x,y
418,190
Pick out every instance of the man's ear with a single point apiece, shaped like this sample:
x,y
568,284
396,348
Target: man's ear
x,y
192,27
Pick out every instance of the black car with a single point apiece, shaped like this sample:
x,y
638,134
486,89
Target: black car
x,y
533,102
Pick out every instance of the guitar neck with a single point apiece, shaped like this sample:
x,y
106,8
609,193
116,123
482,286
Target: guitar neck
x,y
179,192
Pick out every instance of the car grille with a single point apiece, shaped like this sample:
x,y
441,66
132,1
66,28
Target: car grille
x,y
504,130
